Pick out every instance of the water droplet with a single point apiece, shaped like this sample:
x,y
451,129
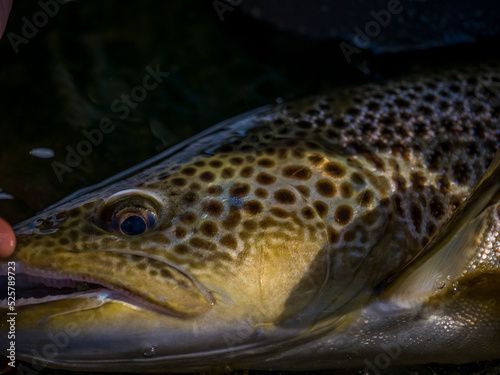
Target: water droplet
x,y
439,284
148,351
42,152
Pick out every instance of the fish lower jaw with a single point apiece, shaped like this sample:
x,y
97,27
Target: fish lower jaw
x,y
34,286
31,286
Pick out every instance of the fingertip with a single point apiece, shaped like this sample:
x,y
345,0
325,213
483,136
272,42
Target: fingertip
x,y
7,239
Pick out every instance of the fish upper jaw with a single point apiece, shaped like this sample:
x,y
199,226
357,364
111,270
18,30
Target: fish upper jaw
x,y
35,286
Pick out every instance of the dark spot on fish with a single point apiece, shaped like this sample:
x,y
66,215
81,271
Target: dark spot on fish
x,y
278,212
340,123
308,213
374,159
236,160
437,209
213,207
207,176
431,228
261,193
180,232
189,171
246,172
232,220
215,163
227,173
229,241
181,249
284,196
297,172
349,235
214,190
209,228
346,190
264,178
253,207
326,188
365,198
402,103
188,217
398,205
239,190
315,159
357,179
334,169
321,208
343,214
353,111
265,163
165,273
190,198
400,182
333,235
416,217
373,106
461,173
179,181
443,183
418,181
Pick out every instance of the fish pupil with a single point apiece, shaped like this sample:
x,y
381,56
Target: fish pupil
x,y
133,225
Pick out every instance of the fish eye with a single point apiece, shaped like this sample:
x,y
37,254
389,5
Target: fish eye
x,y
129,213
134,220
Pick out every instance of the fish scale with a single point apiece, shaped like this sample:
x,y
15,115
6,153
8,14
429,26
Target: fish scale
x,y
290,218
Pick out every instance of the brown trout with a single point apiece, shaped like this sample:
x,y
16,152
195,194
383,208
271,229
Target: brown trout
x,y
327,233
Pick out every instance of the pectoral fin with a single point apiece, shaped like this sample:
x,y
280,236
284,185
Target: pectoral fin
x,y
444,259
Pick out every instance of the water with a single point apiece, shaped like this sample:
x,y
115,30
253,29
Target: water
x,y
60,130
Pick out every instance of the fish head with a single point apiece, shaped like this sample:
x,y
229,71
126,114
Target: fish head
x,y
186,262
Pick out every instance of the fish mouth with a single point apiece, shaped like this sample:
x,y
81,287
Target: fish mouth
x,y
22,285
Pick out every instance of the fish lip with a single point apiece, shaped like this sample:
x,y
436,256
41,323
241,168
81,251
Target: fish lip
x,y
113,292
202,288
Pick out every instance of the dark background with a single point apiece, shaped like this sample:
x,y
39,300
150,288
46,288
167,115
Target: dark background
x,y
64,79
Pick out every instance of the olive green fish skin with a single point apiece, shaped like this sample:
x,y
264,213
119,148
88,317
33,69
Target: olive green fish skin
x,y
281,225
